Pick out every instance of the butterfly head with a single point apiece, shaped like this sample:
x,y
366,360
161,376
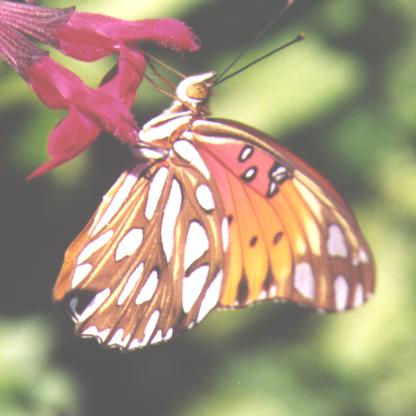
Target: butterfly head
x,y
195,89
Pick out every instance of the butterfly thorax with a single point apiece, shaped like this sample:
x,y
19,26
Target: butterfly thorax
x,y
158,134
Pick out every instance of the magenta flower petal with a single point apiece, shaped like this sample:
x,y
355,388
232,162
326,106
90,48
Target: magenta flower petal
x,y
89,36
69,138
72,134
53,83
126,79
58,87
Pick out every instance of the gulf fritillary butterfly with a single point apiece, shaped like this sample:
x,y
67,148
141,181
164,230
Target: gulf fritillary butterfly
x,y
215,214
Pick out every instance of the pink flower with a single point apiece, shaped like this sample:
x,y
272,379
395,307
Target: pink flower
x,y
87,37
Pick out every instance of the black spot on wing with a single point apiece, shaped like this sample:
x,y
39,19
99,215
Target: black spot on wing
x,y
76,301
250,174
245,154
268,281
279,173
273,189
242,292
277,237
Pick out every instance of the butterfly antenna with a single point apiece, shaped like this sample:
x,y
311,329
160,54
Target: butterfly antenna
x,y
160,76
298,38
164,64
151,59
255,39
159,88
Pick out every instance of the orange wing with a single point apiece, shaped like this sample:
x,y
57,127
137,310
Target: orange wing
x,y
289,234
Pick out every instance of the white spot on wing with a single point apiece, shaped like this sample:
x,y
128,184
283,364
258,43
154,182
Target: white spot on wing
x,y
211,298
187,151
94,246
225,234
205,198
279,173
249,174
118,200
129,243
246,153
272,189
169,334
150,327
90,331
134,344
148,289
102,335
304,280
359,296
363,256
80,273
273,291
360,258
336,244
157,338
341,292
196,243
170,215
119,339
130,284
192,287
93,331
155,192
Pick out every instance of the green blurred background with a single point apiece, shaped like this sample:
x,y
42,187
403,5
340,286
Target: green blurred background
x,y
345,101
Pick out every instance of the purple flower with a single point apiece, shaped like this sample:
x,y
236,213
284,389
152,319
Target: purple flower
x,y
86,37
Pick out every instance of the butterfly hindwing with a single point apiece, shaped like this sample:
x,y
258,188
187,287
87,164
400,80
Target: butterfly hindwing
x,y
147,264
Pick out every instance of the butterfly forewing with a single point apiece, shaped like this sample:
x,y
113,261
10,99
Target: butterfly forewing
x,y
291,236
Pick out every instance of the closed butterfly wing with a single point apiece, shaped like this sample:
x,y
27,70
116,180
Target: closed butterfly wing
x,y
147,264
218,215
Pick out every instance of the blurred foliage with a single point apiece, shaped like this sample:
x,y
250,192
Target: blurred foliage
x,y
344,100
30,383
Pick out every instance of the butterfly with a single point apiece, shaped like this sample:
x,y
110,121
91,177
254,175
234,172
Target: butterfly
x,y
214,214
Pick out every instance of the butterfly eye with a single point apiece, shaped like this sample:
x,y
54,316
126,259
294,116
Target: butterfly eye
x,y
198,91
